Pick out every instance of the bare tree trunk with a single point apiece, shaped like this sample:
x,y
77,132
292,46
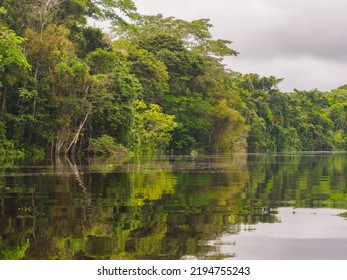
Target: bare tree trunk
x,y
62,136
4,97
52,150
44,10
35,97
71,147
210,136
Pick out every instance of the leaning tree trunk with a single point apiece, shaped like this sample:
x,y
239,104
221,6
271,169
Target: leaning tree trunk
x,y
71,148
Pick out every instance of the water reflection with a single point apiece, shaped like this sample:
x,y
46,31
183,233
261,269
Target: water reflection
x,y
168,207
302,233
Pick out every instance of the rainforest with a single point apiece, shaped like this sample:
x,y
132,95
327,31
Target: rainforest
x,y
125,136
152,84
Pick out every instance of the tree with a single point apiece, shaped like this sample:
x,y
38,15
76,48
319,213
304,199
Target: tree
x,y
152,129
38,14
195,34
230,131
14,69
63,82
13,63
49,52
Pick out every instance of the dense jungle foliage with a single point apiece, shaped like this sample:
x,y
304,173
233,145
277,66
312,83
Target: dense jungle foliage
x,y
152,85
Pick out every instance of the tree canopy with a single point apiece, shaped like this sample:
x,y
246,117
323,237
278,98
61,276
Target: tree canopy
x,y
156,84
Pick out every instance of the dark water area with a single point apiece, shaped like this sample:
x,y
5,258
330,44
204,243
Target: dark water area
x,y
242,206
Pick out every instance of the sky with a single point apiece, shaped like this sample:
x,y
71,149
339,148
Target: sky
x,y
302,41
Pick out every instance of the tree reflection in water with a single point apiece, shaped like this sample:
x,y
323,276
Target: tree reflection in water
x,y
167,207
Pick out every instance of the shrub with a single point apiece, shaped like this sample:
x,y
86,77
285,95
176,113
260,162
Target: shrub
x,y
106,145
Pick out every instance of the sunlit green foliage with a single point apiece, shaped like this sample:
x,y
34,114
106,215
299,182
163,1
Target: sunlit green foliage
x,y
106,145
152,129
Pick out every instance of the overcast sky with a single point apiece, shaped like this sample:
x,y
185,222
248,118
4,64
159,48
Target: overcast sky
x,y
302,41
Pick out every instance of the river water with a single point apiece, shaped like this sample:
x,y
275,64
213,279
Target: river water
x,y
240,206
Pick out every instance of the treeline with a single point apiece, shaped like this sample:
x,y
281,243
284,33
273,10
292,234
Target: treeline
x,y
154,84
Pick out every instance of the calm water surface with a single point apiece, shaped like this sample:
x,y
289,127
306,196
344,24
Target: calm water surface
x,y
243,206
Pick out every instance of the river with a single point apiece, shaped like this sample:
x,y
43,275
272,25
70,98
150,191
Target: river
x,y
238,206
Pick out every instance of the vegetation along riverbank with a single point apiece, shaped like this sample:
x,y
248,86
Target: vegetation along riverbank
x,y
154,84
